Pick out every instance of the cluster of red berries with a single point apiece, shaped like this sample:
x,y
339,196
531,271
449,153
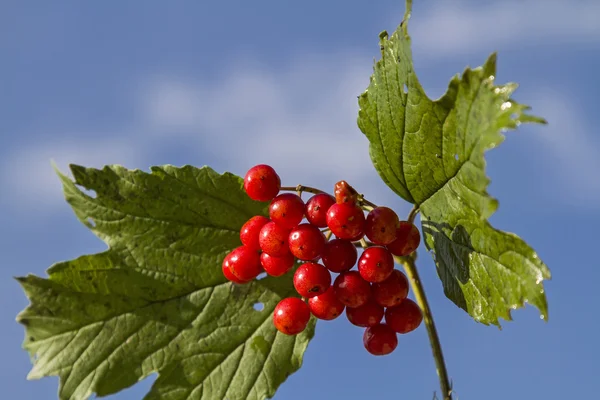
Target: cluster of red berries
x,y
367,294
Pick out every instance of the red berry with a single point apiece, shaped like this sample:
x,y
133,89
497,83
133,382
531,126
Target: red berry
x,y
326,306
346,221
244,263
262,183
291,316
287,210
316,209
273,239
251,230
380,340
392,291
368,314
277,266
306,242
344,193
311,280
351,289
407,239
405,317
376,264
381,225
339,255
227,271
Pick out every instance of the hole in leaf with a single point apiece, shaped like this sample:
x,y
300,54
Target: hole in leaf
x,y
89,192
260,276
514,116
259,306
91,221
405,88
456,157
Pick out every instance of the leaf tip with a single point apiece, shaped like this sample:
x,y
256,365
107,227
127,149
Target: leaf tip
x,y
407,12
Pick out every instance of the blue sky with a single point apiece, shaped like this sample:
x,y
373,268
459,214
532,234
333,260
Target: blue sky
x,y
235,83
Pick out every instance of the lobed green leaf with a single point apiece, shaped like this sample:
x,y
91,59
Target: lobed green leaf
x,y
156,301
431,153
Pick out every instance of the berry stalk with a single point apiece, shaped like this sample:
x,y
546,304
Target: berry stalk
x,y
419,291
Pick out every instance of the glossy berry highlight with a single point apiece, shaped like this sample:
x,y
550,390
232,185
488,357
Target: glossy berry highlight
x,y
380,340
405,317
326,306
244,263
316,209
381,225
306,242
346,221
311,279
227,271
407,239
277,266
369,314
392,291
273,239
351,289
262,182
291,316
375,264
287,210
250,231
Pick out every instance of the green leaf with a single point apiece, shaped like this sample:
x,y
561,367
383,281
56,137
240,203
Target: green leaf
x,y
156,300
431,153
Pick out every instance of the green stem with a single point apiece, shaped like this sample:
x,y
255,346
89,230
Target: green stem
x,y
364,202
413,214
302,188
415,281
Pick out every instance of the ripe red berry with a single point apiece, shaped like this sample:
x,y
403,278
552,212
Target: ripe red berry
x,y
291,316
227,271
346,221
277,266
316,209
405,317
326,306
262,183
376,264
251,230
368,314
306,242
351,289
311,280
273,239
244,263
339,255
407,239
392,291
380,340
381,225
287,210
344,193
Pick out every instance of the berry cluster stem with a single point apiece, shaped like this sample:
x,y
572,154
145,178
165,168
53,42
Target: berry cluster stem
x,y
302,188
413,214
415,281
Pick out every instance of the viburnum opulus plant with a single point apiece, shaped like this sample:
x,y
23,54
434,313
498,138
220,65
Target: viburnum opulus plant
x,y
175,292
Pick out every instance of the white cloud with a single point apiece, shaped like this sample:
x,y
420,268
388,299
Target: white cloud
x,y
300,119
460,27
28,176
